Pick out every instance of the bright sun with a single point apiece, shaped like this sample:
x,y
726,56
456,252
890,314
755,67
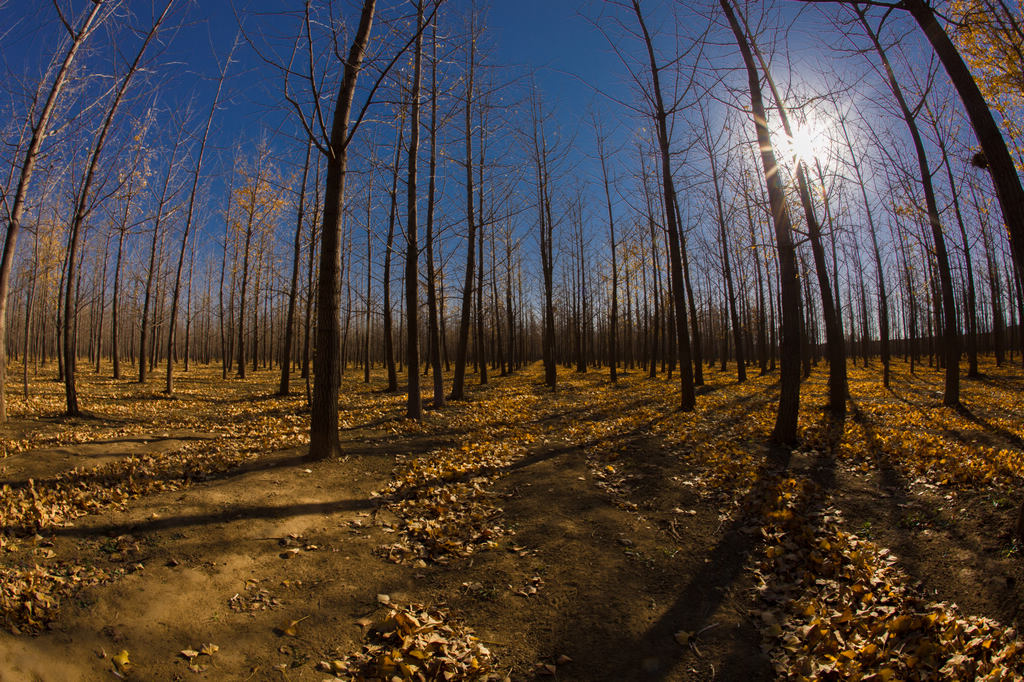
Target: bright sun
x,y
807,143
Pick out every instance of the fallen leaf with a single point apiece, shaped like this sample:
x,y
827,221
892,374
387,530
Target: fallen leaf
x,y
291,629
121,661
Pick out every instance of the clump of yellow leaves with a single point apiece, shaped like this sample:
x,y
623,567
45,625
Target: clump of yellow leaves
x,y
905,427
418,643
840,608
444,505
28,597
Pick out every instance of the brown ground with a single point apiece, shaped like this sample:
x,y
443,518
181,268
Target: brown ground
x,y
611,541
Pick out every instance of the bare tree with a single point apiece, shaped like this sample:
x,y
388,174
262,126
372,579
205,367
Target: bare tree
x,y
414,404
462,346
82,210
433,327
284,387
950,335
39,125
324,440
785,430
187,228
613,316
687,397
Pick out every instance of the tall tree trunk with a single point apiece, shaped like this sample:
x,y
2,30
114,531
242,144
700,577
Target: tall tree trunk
x,y
734,319
613,316
115,306
81,213
368,313
785,430
883,298
307,327
102,304
540,152
389,347
971,313
834,343
225,353
172,323
762,326
284,387
462,346
950,335
481,359
687,398
324,441
39,129
151,274
414,405
433,328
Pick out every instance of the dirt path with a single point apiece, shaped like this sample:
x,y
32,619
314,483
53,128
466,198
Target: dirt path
x,y
583,535
281,526
48,462
580,572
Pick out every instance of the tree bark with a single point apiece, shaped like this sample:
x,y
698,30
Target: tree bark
x,y
39,131
414,404
785,430
323,436
687,397
284,387
462,346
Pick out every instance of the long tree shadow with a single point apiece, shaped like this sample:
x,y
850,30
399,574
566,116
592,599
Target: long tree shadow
x,y
230,514
1005,382
116,473
903,513
999,431
701,597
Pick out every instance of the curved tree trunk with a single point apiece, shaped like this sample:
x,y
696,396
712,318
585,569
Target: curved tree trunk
x,y
687,398
950,335
39,131
785,430
81,212
1000,163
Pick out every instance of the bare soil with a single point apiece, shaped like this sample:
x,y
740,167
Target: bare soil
x,y
610,546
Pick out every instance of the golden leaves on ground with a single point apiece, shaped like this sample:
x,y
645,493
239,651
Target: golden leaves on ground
x,y
905,427
29,596
835,606
840,608
122,662
242,429
442,499
419,643
253,599
194,657
444,504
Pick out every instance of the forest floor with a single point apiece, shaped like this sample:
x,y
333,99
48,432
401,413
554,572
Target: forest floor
x,y
592,533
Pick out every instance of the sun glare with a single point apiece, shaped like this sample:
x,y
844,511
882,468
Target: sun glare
x,y
807,143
